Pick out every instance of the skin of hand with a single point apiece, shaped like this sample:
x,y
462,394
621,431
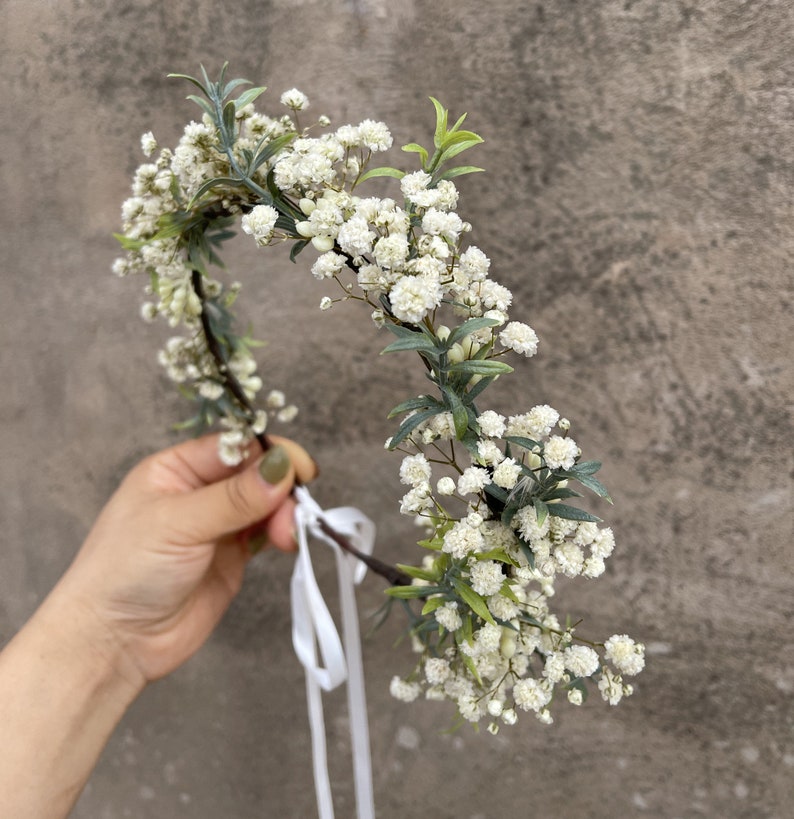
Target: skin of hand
x,y
167,553
155,574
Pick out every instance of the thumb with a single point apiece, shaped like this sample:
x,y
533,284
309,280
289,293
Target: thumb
x,y
241,500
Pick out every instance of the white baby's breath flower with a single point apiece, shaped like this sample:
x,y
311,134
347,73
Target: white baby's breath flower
x,y
473,480
415,470
260,223
445,486
581,661
491,424
287,414
326,303
148,143
405,691
560,453
487,577
294,99
520,338
531,695
374,136
626,655
506,473
448,617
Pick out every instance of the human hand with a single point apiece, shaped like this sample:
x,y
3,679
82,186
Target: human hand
x,y
167,553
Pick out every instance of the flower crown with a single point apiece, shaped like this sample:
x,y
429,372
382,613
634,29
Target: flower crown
x,y
499,523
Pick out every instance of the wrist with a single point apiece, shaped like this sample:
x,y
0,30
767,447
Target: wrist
x,y
93,648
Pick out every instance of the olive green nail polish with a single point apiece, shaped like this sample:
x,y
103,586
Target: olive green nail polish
x,y
274,465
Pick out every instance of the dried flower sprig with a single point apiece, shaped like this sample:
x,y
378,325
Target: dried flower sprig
x,y
499,522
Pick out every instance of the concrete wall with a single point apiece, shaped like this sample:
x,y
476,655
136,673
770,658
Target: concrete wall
x,y
639,203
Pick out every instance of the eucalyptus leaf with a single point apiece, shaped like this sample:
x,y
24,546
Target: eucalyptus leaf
x,y
468,327
594,485
411,592
563,510
473,600
416,341
413,148
460,170
410,424
420,402
472,367
376,172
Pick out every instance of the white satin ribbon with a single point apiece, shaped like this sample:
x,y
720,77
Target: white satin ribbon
x,y
313,627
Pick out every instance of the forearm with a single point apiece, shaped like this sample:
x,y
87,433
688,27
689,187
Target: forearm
x,y
63,689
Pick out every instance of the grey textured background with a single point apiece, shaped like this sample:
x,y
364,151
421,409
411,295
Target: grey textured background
x,y
639,203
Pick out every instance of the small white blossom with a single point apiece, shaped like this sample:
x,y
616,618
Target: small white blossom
x,y
294,99
326,303
473,480
530,694
328,265
520,338
413,297
487,577
626,655
560,453
148,143
462,540
405,691
491,424
506,473
287,414
445,486
415,470
581,661
448,617
260,223
437,670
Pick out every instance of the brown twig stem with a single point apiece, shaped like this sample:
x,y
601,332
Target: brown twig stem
x,y
391,573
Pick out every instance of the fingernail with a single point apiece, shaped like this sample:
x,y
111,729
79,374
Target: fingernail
x,y
275,465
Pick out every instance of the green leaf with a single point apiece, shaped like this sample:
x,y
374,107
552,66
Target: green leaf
x,y
411,592
469,663
213,183
432,604
271,149
129,244
594,485
562,510
460,171
190,79
458,123
400,331
507,591
419,574
229,116
472,367
441,122
477,389
410,424
296,249
499,555
203,104
232,84
413,148
560,493
416,341
526,550
375,172
520,440
468,327
584,468
541,510
247,97
460,418
458,137
420,402
473,600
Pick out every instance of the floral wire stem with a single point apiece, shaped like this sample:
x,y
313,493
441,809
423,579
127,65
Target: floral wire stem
x,y
385,570
488,637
